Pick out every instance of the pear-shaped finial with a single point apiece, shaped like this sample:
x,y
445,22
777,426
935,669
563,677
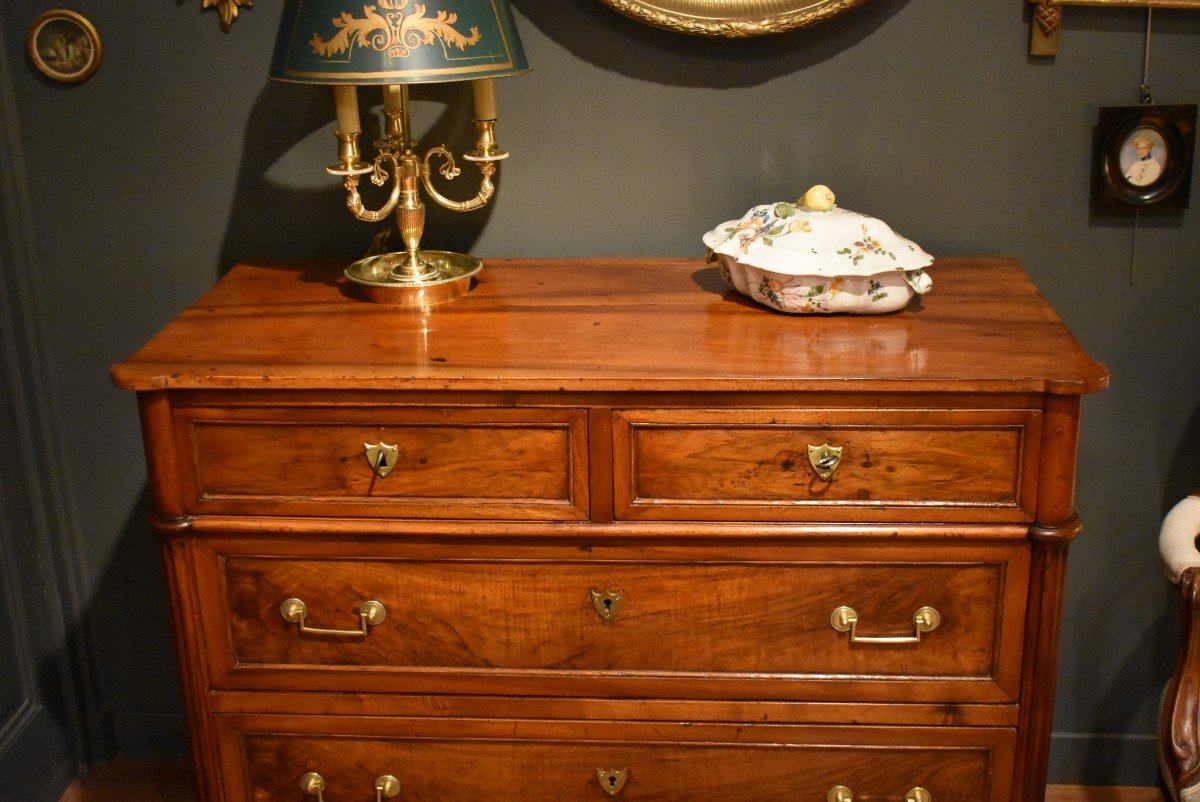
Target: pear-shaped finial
x,y
818,199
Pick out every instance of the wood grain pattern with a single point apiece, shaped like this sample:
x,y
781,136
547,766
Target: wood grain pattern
x,y
1179,725
626,425
519,760
608,324
452,463
689,625
146,780
895,465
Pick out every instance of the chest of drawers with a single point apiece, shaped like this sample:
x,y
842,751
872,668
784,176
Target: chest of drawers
x,y
600,529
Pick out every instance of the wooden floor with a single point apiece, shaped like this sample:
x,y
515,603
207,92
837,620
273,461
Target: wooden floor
x,y
136,781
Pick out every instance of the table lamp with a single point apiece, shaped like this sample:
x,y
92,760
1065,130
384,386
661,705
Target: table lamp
x,y
392,44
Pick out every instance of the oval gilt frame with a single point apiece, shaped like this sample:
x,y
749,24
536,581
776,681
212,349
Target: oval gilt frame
x,y
732,19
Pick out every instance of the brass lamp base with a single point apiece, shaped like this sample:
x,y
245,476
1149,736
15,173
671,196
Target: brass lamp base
x,y
382,279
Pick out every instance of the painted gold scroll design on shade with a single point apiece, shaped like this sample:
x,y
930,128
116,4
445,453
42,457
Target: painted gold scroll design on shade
x,y
227,10
752,18
393,31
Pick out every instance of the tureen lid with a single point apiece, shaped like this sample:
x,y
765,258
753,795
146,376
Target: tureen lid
x,y
815,237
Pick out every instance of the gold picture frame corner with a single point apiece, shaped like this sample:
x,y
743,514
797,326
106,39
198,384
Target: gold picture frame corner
x,y
64,46
731,19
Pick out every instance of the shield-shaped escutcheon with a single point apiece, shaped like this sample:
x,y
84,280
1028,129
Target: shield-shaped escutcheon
x,y
381,457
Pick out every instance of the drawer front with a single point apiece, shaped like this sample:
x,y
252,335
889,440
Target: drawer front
x,y
901,465
268,758
446,463
615,622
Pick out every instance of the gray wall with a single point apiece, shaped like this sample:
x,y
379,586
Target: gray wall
x,y
178,158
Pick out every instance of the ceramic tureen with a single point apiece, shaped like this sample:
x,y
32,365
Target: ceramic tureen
x,y
813,257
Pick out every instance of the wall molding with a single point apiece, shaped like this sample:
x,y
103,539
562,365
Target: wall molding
x,y
30,372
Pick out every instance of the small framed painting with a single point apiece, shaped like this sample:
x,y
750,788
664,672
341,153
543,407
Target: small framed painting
x,y
1144,156
64,46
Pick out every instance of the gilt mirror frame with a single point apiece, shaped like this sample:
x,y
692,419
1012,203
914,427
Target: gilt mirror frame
x,y
1047,18
732,19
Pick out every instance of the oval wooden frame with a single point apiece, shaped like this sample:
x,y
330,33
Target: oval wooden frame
x,y
752,18
88,29
1172,123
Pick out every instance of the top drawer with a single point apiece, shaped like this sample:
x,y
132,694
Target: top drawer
x,y
894,465
484,463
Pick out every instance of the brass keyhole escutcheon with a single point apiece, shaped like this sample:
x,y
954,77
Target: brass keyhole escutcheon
x,y
607,603
381,457
612,780
825,459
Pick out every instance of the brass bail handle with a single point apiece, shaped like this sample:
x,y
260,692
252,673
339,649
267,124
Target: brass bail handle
x,y
840,793
386,787
845,619
370,613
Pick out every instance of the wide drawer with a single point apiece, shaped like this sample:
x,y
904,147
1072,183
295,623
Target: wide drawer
x,y
270,757
901,465
525,463
694,622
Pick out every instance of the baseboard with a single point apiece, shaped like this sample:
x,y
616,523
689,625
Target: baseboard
x,y
1104,760
1103,793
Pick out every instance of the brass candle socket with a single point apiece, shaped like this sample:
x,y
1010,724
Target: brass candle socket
x,y
414,277
348,162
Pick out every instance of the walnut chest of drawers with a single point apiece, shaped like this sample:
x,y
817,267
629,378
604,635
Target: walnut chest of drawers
x,y
601,529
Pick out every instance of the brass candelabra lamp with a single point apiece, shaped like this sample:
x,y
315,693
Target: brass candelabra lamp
x,y
394,44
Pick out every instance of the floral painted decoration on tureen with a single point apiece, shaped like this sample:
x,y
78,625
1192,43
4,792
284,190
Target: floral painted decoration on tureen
x,y
795,240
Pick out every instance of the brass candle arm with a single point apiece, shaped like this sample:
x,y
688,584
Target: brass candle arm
x,y
379,177
450,171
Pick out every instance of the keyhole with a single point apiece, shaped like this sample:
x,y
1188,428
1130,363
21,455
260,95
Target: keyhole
x,y
612,782
608,606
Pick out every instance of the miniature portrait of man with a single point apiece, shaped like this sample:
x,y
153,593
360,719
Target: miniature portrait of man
x,y
1142,157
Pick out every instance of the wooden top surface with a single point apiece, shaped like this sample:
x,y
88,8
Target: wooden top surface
x,y
610,325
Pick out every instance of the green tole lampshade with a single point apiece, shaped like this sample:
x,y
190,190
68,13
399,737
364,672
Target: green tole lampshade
x,y
396,41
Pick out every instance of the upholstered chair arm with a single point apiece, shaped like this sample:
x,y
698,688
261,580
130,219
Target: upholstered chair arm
x,y
1177,538
1179,725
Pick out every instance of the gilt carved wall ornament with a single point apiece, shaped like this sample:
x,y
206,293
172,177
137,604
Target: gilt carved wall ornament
x,y
227,10
732,18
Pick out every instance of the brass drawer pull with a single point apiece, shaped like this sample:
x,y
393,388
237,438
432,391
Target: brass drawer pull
x,y
845,619
607,603
381,457
313,784
840,793
825,460
370,613
612,780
